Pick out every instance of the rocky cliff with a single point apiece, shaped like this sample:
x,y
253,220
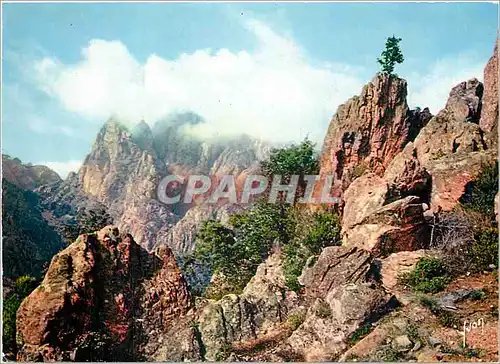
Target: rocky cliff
x,y
367,132
27,176
103,298
123,170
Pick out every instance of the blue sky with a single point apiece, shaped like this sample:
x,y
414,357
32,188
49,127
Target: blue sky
x,y
277,71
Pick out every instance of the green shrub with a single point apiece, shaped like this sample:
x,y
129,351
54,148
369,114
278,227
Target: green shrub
x,y
23,286
316,232
386,353
446,318
323,310
480,194
294,320
477,295
10,306
484,249
429,276
294,159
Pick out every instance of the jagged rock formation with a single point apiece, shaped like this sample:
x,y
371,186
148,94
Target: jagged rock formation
x,y
123,170
27,176
103,298
451,146
383,209
369,130
489,112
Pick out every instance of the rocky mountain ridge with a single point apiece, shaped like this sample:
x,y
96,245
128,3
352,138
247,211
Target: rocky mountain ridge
x,y
123,170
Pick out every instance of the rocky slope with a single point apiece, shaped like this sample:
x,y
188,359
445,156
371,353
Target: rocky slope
x,y
27,176
28,241
103,298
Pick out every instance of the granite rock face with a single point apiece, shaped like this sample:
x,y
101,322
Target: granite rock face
x,y
369,130
103,298
451,147
489,112
122,172
264,303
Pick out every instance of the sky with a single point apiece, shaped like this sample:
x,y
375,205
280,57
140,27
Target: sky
x,y
276,71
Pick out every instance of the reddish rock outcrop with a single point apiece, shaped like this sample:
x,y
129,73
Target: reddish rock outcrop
x,y
398,226
102,297
489,112
369,130
451,146
27,176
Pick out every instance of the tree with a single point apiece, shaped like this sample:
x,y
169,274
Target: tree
x,y
391,55
22,287
295,159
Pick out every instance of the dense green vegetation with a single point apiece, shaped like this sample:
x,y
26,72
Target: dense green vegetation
x,y
297,159
391,55
234,251
479,204
29,241
22,287
313,232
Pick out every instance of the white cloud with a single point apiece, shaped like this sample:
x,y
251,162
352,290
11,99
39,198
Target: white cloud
x,y
272,92
63,168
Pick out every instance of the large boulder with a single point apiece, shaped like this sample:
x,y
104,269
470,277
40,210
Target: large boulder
x,y
264,303
102,298
398,226
336,265
330,322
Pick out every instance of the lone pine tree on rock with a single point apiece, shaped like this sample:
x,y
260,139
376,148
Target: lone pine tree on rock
x,y
391,55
